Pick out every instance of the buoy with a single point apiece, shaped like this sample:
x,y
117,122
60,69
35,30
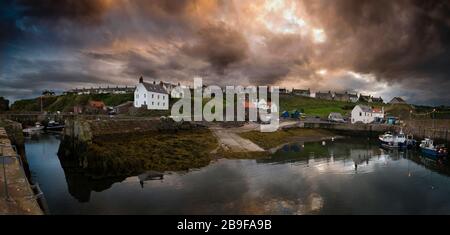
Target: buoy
x,y
323,143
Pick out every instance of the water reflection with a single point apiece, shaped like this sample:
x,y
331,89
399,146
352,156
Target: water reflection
x,y
347,176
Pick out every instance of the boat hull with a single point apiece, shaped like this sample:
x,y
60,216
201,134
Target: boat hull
x,y
33,130
54,128
393,144
433,153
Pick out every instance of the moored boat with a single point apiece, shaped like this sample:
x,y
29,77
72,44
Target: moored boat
x,y
390,140
54,126
427,147
35,129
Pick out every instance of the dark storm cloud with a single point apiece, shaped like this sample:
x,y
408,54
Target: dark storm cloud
x,y
402,42
8,31
219,45
81,10
46,72
392,39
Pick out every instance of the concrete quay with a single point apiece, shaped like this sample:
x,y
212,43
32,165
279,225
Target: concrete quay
x,y
16,194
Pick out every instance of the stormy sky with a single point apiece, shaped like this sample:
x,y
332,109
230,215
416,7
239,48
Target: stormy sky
x,y
384,48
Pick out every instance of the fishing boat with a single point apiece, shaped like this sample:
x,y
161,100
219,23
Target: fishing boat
x,y
427,147
35,129
390,140
54,126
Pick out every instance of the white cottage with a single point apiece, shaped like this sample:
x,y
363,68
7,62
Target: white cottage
x,y
154,96
366,114
172,91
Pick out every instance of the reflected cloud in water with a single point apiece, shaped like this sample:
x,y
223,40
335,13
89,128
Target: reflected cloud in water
x,y
347,176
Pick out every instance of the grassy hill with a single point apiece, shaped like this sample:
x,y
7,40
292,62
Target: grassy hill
x,y
315,107
309,106
65,103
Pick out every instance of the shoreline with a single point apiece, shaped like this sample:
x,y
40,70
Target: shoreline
x,y
305,140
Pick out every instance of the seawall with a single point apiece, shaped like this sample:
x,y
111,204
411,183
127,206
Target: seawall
x,y
16,194
419,130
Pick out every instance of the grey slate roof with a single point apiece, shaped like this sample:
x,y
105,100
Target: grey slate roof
x,y
154,88
365,108
397,100
377,100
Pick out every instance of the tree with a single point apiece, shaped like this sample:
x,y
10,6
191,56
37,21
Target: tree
x,y
48,93
4,104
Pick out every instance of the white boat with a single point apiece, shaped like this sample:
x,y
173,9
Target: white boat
x,y
35,129
427,146
54,126
393,140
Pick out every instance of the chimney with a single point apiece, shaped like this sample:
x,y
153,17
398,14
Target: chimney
x,y
141,80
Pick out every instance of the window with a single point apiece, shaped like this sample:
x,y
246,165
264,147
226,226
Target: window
x,y
360,114
158,97
153,103
152,95
145,95
164,104
164,97
137,96
158,103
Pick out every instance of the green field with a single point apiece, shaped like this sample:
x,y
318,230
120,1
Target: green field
x,y
314,107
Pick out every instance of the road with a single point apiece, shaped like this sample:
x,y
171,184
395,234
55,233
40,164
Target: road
x,y
231,141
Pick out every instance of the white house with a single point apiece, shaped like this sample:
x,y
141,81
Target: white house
x,y
154,96
366,114
172,91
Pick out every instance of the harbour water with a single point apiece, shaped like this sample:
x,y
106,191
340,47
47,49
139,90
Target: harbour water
x,y
347,176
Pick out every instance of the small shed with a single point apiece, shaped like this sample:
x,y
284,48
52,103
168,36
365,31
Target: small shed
x,y
391,120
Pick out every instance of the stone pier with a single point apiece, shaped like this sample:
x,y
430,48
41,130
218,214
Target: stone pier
x,y
16,194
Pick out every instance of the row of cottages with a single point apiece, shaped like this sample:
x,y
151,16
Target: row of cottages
x,y
345,97
324,95
366,114
348,97
370,99
101,90
301,92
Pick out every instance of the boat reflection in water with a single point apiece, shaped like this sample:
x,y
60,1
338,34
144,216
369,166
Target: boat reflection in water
x,y
347,176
